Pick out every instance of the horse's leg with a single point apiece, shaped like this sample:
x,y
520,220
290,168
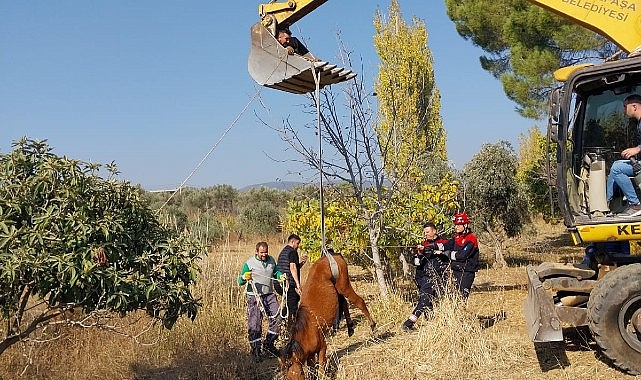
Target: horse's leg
x,y
322,359
344,307
345,288
311,366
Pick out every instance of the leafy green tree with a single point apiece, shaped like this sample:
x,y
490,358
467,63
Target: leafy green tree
x,y
525,44
208,228
493,196
260,218
261,210
536,171
75,247
222,199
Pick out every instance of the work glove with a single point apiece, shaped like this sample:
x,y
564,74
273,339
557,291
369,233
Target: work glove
x,y
247,276
282,277
290,50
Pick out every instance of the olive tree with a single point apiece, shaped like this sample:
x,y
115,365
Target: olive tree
x,y
77,249
493,196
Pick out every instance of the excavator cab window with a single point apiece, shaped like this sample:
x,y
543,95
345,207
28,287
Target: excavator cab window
x,y
605,124
600,131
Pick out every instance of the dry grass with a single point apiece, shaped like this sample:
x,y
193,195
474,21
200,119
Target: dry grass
x,y
483,339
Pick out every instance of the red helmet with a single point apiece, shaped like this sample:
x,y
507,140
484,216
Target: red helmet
x,y
461,218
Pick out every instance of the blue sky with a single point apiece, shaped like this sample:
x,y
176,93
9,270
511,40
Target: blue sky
x,y
153,85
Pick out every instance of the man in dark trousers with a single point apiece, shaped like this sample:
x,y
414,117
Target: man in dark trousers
x,y
260,270
429,272
290,263
463,251
622,170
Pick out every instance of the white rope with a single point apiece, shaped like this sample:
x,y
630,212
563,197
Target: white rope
x,y
283,300
211,150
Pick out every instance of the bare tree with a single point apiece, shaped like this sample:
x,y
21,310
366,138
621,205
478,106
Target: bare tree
x,y
351,153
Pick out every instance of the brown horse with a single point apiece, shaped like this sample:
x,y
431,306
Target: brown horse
x,y
319,306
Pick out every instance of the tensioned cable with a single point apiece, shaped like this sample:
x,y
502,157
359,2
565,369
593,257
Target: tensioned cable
x,y
211,150
233,123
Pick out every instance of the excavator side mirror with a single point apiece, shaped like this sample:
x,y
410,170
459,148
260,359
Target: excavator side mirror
x,y
555,114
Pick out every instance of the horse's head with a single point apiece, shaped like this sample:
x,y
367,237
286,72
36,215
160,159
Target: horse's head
x,y
290,361
292,369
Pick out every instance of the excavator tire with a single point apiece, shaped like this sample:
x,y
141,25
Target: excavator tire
x,y
614,317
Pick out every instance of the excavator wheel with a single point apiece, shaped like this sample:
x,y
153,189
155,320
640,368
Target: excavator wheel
x,y
614,317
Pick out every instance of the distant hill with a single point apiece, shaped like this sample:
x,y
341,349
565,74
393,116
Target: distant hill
x,y
278,185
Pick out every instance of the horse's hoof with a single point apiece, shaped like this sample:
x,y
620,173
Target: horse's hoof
x,y
350,331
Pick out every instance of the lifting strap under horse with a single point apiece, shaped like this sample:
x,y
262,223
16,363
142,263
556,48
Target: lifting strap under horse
x,y
332,265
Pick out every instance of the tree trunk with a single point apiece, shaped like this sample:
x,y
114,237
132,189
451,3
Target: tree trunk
x,y
376,257
404,264
499,259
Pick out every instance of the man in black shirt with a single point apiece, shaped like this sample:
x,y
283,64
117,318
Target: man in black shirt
x,y
293,45
290,264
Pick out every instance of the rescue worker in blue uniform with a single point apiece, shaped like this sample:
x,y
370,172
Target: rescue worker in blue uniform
x,y
463,251
429,272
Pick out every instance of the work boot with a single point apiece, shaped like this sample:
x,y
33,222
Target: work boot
x,y
269,346
254,343
408,326
256,352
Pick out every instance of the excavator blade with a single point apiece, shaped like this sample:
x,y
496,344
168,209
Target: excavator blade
x,y
541,319
271,66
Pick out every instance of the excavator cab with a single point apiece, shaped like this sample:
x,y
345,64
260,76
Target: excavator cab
x,y
269,63
590,130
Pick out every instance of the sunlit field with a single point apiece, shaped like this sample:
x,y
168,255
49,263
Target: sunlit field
x,y
483,339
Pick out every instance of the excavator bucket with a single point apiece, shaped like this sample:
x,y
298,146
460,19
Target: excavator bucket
x,y
541,318
271,66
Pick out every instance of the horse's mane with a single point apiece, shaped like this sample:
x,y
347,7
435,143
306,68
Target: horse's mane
x,y
299,324
301,321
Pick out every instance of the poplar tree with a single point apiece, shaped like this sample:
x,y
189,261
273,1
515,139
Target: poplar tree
x,y
409,101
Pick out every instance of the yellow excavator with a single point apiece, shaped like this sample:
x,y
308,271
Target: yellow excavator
x,y
588,126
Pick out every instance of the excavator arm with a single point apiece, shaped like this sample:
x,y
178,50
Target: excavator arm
x,y
286,12
271,66
619,20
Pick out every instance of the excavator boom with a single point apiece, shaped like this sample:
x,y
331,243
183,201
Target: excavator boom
x,y
619,20
287,12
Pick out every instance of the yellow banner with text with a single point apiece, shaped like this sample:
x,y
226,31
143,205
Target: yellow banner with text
x,y
618,20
